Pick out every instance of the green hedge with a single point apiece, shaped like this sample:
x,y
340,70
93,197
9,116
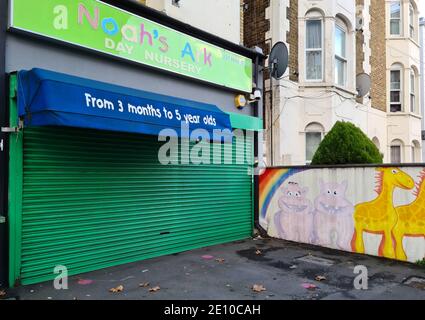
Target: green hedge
x,y
346,144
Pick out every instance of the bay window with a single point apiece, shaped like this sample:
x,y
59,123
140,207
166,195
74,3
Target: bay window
x,y
396,149
411,21
340,55
395,89
313,137
412,91
395,18
396,154
413,154
416,151
314,49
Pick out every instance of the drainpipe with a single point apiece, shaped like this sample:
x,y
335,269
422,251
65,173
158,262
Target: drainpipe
x,y
258,112
271,117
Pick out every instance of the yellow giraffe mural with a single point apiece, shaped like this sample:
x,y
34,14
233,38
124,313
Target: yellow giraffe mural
x,y
411,219
379,215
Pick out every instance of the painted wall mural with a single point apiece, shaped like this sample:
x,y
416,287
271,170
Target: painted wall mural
x,y
378,211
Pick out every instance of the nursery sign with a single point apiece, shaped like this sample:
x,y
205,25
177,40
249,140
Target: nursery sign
x,y
48,98
98,26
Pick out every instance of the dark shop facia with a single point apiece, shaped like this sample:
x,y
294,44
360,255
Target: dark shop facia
x,y
96,89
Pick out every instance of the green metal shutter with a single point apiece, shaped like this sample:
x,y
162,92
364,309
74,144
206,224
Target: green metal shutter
x,y
94,199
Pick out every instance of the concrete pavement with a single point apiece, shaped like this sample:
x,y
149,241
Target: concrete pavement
x,y
229,271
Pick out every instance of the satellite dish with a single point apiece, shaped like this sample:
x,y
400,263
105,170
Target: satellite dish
x,y
363,84
278,60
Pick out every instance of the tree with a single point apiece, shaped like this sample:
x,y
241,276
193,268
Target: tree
x,y
346,144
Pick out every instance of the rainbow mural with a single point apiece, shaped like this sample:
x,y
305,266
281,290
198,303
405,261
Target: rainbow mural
x,y
270,182
373,210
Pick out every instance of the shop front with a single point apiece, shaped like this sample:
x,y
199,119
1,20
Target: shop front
x,y
116,161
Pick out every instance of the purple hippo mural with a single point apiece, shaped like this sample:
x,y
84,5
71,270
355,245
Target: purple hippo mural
x,y
333,217
294,221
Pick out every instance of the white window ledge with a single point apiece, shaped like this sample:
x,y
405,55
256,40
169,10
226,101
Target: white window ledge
x,y
404,114
327,86
404,38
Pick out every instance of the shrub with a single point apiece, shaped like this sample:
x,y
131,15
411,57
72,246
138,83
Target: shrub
x,y
346,144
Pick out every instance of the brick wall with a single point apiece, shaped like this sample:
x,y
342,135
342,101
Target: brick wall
x,y
292,40
256,25
378,55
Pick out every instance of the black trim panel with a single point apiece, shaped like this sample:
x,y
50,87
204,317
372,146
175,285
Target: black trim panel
x,y
4,115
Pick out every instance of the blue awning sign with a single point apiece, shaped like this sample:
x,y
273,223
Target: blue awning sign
x,y
47,98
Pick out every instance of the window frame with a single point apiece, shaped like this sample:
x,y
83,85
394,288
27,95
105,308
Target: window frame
x,y
399,19
398,69
313,128
342,27
412,92
315,16
416,151
412,27
399,147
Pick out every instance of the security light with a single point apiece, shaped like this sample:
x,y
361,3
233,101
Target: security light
x,y
255,96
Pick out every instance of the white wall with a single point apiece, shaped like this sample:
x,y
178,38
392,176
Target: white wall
x,y
296,105
405,125
219,17
297,113
422,43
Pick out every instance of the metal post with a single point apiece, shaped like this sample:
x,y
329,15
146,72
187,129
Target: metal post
x,y
271,121
256,147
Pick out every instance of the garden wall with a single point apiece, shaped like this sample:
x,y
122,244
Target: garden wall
x,y
374,210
